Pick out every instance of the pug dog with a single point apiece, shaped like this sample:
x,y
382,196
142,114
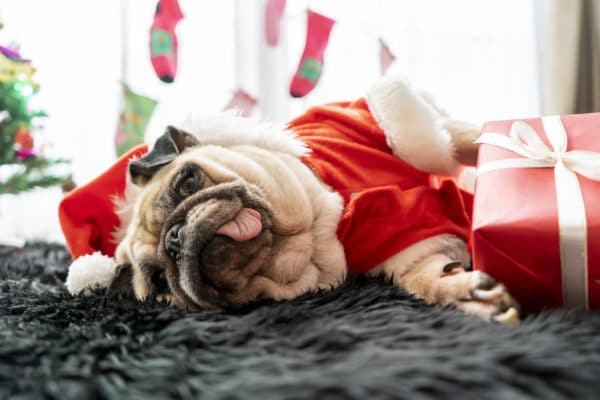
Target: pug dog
x,y
229,211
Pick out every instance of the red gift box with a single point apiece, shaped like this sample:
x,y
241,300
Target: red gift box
x,y
536,218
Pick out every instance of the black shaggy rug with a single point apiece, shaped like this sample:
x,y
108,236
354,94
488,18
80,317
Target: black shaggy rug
x,y
365,340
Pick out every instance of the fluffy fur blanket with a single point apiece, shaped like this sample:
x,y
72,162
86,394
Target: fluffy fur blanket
x,y
363,340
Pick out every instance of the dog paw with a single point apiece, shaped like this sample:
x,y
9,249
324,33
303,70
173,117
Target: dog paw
x,y
164,298
477,293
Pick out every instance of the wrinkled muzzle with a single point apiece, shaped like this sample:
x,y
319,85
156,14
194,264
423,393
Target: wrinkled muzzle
x,y
214,242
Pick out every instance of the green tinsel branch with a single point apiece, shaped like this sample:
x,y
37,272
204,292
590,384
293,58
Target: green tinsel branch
x,y
32,176
23,182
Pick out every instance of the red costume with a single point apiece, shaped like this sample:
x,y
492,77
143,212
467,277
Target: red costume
x,y
389,205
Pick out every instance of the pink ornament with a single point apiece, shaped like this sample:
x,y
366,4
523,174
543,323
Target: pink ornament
x,y
386,57
242,101
23,154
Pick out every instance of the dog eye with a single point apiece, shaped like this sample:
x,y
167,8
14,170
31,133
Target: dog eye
x,y
188,186
188,181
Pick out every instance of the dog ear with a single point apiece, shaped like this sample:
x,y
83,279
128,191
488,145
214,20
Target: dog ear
x,y
166,148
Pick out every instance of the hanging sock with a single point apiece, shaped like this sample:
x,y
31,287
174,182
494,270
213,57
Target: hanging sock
x,y
163,41
243,102
273,13
311,63
133,119
386,57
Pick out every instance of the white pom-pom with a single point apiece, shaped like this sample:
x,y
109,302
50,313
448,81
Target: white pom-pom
x,y
413,125
90,271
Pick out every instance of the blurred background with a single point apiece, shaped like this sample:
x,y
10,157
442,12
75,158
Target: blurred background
x,y
113,73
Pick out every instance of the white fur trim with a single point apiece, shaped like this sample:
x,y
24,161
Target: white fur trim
x,y
123,206
229,129
413,126
90,271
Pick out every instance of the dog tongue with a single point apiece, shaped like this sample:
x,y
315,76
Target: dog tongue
x,y
244,226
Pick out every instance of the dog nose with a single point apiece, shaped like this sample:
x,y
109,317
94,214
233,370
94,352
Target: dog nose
x,y
173,242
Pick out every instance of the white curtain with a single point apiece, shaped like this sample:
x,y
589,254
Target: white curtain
x,y
569,48
477,58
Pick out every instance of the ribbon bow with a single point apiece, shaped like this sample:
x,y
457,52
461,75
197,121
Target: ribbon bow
x,y
572,222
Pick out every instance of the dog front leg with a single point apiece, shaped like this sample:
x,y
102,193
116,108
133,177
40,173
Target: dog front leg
x,y
438,279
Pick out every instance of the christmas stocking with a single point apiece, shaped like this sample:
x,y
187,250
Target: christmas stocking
x,y
386,57
311,63
273,13
243,102
163,42
134,117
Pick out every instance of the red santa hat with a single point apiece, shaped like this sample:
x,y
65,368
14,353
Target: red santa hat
x,y
89,219
87,214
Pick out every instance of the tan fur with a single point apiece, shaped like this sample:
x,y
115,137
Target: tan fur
x,y
141,237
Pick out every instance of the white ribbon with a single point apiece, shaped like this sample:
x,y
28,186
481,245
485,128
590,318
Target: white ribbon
x,y
572,223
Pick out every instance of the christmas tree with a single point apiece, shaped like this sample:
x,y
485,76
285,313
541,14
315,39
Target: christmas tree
x,y
22,167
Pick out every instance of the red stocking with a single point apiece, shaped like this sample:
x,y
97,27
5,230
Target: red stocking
x,y
311,62
273,13
163,42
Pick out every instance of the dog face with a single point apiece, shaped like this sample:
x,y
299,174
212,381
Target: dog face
x,y
218,227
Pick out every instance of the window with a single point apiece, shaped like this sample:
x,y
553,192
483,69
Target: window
x,y
476,58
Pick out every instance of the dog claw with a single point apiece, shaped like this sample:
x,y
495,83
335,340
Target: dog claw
x,y
508,317
487,283
164,298
488,295
477,293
